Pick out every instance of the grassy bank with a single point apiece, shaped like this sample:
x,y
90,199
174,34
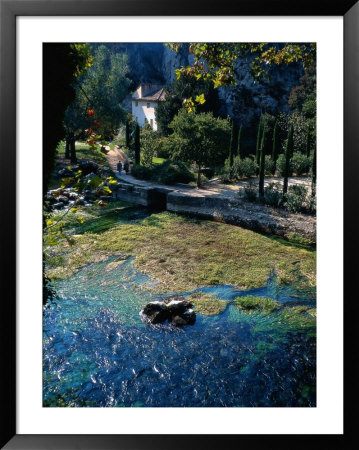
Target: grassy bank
x,y
181,253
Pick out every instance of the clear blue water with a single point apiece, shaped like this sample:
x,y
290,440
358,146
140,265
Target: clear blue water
x,y
97,352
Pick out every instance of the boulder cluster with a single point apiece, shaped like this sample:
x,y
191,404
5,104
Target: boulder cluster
x,y
59,198
176,310
86,167
69,197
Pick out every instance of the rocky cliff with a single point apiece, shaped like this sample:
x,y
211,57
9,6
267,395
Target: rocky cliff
x,y
155,63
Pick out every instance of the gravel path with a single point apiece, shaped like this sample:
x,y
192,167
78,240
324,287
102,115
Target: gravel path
x,y
213,187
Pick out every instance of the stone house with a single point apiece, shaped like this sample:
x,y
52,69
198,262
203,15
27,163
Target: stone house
x,y
144,103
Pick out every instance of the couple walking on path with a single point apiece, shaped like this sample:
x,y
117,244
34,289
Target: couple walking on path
x,y
126,167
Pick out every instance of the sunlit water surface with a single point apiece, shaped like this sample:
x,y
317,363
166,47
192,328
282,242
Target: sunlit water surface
x,y
97,352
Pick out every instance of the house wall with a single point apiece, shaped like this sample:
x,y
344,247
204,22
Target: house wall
x,y
142,112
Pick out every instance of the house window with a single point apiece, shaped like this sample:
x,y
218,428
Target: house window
x,y
136,103
148,105
151,122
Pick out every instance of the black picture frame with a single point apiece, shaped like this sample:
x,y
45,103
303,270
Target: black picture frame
x,y
9,10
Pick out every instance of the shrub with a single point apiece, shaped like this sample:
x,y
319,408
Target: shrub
x,y
171,172
241,168
248,167
250,192
297,199
273,194
280,169
226,175
141,172
244,167
300,163
163,149
268,166
312,207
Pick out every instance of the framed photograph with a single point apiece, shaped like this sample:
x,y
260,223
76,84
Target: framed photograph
x,y
170,174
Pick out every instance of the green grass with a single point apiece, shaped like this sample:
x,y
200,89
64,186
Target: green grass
x,y
158,160
83,151
184,254
207,304
251,304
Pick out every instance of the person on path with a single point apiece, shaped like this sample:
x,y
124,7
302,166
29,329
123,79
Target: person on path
x,y
126,166
119,167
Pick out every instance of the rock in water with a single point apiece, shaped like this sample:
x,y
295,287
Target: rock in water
x,y
175,309
156,312
186,318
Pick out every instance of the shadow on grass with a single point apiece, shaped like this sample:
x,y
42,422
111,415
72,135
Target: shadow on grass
x,y
107,220
295,241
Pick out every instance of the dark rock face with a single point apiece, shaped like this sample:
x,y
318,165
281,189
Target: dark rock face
x,y
175,309
244,102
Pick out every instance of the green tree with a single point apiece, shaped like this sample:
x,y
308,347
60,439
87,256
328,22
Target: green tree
x,y
307,146
261,165
58,93
137,144
128,142
288,155
102,88
240,152
150,143
199,138
233,143
99,90
184,88
275,149
302,101
259,139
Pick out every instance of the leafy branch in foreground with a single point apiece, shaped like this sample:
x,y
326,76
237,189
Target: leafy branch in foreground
x,y
216,61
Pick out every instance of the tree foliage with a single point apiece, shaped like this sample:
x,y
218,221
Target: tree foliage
x,y
137,144
199,138
216,61
150,143
101,89
178,94
288,155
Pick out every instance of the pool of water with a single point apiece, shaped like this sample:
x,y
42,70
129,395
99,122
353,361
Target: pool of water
x,y
97,351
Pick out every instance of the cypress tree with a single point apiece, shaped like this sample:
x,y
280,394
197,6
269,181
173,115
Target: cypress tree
x,y
137,144
239,146
261,165
127,134
308,143
259,139
288,155
275,146
232,144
